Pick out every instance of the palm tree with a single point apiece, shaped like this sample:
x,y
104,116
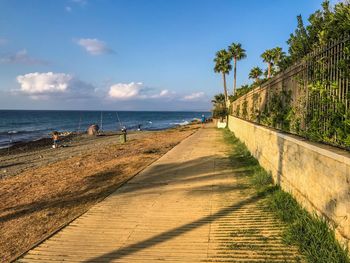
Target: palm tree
x,y
268,57
272,57
219,109
223,66
278,55
237,53
255,73
219,99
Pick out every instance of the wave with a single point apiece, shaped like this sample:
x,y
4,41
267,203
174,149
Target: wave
x,y
14,132
180,123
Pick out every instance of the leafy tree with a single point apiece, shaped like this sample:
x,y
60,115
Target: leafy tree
x,y
237,53
285,62
319,28
340,23
255,73
299,45
325,24
223,66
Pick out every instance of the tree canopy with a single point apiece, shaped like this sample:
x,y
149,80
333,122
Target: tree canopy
x,y
236,51
222,62
255,73
325,24
222,65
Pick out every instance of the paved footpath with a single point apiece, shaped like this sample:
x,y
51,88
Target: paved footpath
x,y
189,206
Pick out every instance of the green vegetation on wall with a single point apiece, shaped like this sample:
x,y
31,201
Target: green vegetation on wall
x,y
331,125
277,112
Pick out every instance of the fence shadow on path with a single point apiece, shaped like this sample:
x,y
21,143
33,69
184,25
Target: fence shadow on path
x,y
165,236
179,176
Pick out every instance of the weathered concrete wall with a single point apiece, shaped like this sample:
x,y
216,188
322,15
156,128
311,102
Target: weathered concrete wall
x,y
318,176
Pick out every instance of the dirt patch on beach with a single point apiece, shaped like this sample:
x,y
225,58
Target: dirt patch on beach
x,y
24,156
44,189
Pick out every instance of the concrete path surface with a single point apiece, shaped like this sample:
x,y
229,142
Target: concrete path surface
x,y
189,206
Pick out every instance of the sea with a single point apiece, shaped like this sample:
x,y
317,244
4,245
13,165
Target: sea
x,y
31,125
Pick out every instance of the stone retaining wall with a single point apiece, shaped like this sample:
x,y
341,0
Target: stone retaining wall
x,y
318,176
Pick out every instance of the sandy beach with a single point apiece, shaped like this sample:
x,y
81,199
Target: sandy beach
x,y
42,189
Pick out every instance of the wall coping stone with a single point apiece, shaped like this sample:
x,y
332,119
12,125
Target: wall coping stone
x,y
326,150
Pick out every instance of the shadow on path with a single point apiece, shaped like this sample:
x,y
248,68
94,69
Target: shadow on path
x,y
102,184
163,237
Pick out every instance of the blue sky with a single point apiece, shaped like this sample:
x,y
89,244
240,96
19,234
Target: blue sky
x,y
132,54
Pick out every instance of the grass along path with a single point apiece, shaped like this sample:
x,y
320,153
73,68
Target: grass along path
x,y
309,233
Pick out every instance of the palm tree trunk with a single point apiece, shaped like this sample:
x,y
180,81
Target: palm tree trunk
x,y
234,76
268,70
225,88
256,80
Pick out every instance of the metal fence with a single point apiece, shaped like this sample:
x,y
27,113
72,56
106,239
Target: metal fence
x,y
310,98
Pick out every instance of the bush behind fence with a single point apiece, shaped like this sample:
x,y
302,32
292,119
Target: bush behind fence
x,y
310,98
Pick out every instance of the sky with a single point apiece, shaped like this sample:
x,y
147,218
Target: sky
x,y
132,54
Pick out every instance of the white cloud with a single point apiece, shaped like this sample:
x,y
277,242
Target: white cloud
x,y
162,94
125,91
21,57
68,9
66,88
94,46
136,90
194,96
44,83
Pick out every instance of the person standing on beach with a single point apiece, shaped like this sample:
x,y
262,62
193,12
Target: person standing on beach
x,y
56,138
203,120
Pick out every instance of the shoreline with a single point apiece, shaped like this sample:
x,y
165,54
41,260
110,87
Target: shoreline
x,y
44,141
23,126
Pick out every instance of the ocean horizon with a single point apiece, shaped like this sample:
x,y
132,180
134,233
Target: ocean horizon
x,y
28,125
